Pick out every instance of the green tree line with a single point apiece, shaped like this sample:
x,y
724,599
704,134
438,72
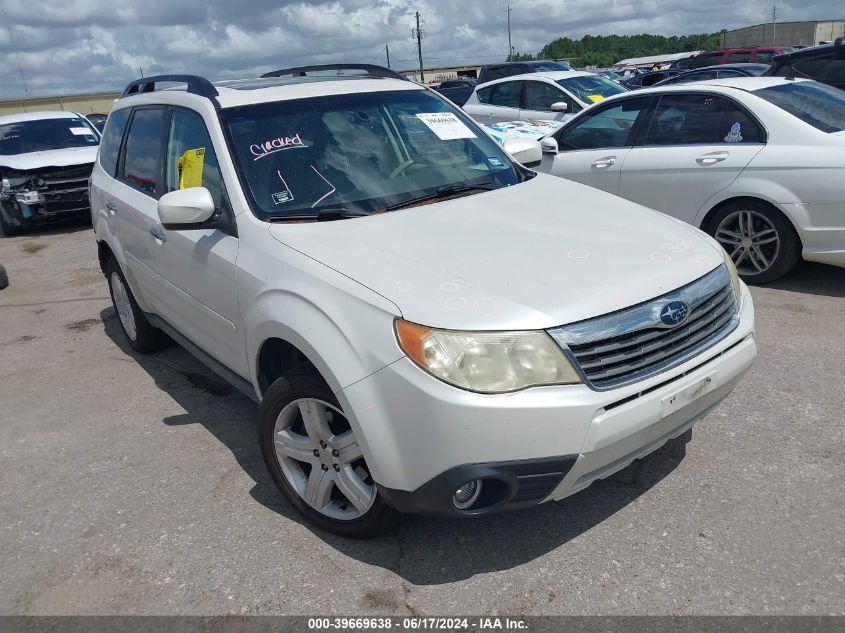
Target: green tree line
x,y
606,50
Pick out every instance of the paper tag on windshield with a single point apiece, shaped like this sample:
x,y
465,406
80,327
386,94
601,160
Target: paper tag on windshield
x,y
446,125
190,168
80,131
595,98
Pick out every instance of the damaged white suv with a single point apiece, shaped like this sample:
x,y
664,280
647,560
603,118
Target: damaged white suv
x,y
428,325
45,161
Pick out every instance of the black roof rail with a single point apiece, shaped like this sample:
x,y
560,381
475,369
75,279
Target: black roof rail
x,y
371,69
196,85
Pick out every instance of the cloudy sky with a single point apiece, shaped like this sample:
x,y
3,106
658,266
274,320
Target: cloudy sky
x,y
67,46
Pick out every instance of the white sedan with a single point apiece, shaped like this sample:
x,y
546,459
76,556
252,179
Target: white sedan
x,y
756,162
552,95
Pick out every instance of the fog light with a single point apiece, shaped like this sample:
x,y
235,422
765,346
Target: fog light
x,y
467,494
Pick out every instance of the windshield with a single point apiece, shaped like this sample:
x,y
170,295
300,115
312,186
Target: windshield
x,y
591,88
46,134
820,105
363,152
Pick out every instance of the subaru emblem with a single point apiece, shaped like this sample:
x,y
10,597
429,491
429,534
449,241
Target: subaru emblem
x,y
674,312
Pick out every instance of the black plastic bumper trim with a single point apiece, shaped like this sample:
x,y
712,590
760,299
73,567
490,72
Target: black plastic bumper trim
x,y
516,484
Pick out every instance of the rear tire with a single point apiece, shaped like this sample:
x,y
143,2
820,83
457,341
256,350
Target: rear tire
x,y
142,337
761,241
315,460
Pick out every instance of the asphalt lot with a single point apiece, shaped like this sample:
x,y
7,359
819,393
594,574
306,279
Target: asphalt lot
x,y
134,485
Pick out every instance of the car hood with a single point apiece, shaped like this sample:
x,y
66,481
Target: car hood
x,y
50,158
536,255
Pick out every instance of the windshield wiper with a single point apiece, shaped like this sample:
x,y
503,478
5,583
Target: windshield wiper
x,y
326,214
442,192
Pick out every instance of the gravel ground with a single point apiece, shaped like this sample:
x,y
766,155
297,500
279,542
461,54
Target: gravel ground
x,y
134,485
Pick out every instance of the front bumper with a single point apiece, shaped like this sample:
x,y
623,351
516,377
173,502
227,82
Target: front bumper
x,y
423,438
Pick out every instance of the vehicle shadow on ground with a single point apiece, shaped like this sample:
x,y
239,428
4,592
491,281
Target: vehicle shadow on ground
x,y
812,278
422,550
71,225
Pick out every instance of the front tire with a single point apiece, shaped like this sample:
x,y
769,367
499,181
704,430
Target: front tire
x,y
315,458
760,240
141,335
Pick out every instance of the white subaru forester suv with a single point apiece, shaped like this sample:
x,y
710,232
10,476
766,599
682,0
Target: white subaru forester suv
x,y
428,325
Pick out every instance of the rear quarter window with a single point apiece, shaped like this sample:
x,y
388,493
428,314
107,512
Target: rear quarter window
x,y
112,135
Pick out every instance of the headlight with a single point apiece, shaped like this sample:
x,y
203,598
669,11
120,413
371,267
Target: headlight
x,y
729,264
489,362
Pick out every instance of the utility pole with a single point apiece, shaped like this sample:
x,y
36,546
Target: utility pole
x,y
510,47
419,48
387,52
774,13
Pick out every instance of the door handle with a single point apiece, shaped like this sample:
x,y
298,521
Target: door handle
x,y
712,159
158,233
111,206
604,163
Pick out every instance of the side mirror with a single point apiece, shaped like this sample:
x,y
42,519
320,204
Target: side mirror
x,y
185,206
549,145
524,150
560,106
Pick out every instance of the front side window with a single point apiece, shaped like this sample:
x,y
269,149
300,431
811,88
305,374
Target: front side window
x,y
590,88
701,119
42,135
540,96
686,78
707,60
820,105
362,152
506,94
141,162
813,68
112,135
191,160
609,127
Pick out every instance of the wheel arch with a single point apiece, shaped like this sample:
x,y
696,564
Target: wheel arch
x,y
708,216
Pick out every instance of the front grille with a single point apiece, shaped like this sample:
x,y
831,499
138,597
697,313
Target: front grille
x,y
633,344
65,190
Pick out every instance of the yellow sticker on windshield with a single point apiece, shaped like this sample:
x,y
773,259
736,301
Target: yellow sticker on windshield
x,y
190,168
595,98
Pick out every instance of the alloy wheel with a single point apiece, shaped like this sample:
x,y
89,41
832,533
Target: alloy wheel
x,y
322,460
751,240
123,306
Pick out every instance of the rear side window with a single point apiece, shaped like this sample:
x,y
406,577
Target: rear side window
x,y
506,94
813,68
764,57
142,156
706,60
820,105
741,58
701,119
112,135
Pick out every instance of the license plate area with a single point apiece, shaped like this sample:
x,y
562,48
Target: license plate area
x,y
688,394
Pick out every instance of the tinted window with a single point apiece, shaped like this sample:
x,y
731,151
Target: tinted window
x,y
820,105
741,58
483,94
763,57
112,135
506,94
813,68
724,74
541,96
141,163
706,60
701,119
835,72
607,127
46,134
191,161
546,66
701,75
